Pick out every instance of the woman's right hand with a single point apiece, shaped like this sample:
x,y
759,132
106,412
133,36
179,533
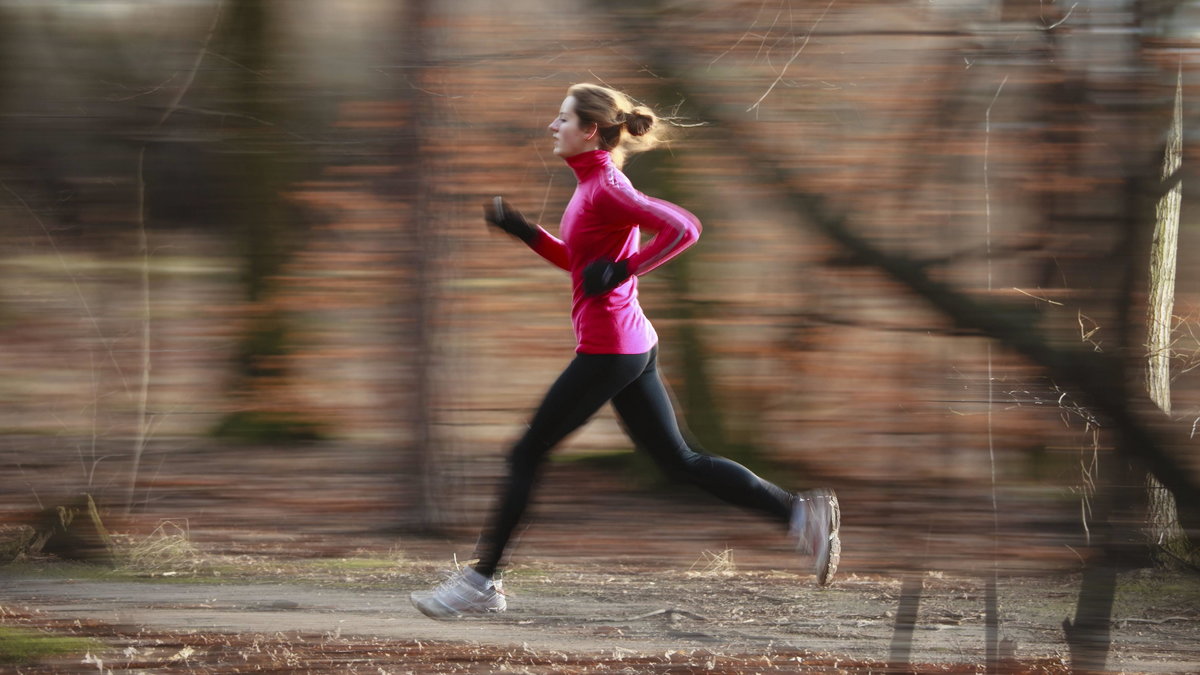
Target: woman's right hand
x,y
498,213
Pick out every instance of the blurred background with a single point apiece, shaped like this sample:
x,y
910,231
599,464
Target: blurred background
x,y
245,283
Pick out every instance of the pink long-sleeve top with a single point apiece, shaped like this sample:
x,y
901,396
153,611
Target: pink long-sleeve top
x,y
603,221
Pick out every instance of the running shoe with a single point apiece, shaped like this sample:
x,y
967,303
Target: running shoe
x,y
466,592
816,517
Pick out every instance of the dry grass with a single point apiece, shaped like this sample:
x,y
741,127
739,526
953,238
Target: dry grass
x,y
712,564
166,551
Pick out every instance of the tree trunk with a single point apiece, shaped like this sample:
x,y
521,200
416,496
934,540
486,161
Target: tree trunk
x,y
1167,539
416,247
257,172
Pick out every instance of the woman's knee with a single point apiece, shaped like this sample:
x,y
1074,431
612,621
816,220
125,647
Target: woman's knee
x,y
527,454
680,464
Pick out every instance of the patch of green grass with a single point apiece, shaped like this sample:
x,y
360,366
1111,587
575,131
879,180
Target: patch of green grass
x,y
60,569
1158,587
19,646
167,556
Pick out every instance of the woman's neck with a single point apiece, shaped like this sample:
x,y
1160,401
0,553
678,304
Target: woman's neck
x,y
584,162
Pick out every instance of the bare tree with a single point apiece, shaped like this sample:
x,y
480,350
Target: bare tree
x,y
416,236
253,178
144,423
1167,538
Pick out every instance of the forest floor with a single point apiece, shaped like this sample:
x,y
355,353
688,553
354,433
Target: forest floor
x,y
243,576
354,615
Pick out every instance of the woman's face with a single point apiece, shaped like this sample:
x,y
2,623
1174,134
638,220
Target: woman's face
x,y
570,138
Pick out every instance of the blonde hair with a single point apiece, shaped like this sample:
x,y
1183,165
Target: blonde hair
x,y
624,127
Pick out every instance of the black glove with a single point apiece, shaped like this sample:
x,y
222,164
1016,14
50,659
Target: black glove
x,y
604,275
499,214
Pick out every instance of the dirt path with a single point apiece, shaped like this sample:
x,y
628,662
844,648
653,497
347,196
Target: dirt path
x,y
666,615
284,572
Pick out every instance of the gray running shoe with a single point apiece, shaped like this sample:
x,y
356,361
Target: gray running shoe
x,y
816,517
466,592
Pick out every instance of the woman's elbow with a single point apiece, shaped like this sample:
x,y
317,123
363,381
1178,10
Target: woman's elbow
x,y
691,233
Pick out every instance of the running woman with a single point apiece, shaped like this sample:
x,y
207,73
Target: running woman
x,y
617,353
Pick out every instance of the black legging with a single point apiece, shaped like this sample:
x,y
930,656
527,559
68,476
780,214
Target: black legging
x,y
638,395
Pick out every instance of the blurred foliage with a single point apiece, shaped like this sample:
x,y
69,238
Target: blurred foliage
x,y
268,427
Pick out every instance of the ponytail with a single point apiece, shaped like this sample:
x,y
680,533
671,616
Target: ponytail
x,y
623,127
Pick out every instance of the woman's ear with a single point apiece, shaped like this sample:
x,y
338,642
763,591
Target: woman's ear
x,y
592,134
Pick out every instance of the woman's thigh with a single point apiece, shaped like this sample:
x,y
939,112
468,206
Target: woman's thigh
x,y
588,382
645,409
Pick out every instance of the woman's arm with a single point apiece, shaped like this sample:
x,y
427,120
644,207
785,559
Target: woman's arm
x,y
550,247
674,228
501,215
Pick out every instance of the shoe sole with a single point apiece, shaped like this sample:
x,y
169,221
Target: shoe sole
x,y
832,554
430,606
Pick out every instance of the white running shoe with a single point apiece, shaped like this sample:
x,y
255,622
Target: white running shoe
x,y
816,517
466,592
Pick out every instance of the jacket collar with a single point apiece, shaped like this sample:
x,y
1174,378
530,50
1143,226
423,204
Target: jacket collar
x,y
585,163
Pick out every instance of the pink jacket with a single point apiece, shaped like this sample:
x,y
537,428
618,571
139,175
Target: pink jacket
x,y
602,222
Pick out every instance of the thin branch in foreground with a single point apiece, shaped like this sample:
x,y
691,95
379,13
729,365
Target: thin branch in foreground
x,y
62,261
143,431
795,56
